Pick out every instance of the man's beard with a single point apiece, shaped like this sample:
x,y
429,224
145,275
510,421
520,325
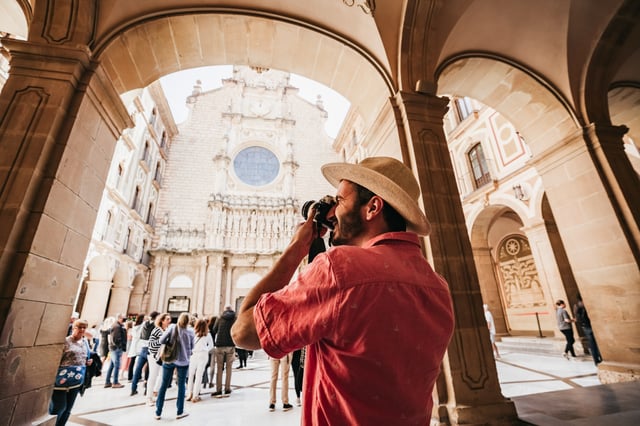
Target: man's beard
x,y
348,228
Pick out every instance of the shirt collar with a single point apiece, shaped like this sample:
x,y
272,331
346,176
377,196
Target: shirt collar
x,y
407,237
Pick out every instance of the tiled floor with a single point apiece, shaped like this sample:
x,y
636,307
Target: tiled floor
x,y
546,390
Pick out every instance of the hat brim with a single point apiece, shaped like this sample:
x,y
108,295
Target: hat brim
x,y
382,186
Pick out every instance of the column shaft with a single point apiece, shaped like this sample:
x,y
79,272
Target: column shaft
x,y
473,392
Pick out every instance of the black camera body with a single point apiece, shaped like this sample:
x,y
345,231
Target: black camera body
x,y
322,207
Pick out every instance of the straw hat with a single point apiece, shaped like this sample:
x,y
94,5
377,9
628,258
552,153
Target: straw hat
x,y
389,179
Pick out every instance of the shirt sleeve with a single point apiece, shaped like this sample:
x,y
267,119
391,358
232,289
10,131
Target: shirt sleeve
x,y
301,313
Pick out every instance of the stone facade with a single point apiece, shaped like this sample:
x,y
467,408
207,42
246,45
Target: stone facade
x,y
238,172
568,85
117,264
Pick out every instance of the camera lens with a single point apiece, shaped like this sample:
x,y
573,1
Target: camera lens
x,y
306,207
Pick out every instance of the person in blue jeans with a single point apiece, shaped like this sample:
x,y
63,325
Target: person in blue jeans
x,y
117,346
141,358
186,338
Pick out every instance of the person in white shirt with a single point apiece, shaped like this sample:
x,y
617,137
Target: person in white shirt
x,y
199,358
492,330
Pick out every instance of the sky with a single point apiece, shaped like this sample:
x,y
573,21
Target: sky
x,y
178,86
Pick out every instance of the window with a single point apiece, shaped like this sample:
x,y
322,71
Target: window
x,y
463,108
479,166
163,139
157,173
137,199
125,244
256,166
154,116
150,218
146,153
120,175
107,225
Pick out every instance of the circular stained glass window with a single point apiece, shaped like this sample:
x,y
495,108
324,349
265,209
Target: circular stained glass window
x,y
256,166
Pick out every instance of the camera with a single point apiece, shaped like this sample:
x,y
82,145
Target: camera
x,y
322,207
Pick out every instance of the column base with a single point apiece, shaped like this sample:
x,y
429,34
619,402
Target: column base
x,y
502,413
616,372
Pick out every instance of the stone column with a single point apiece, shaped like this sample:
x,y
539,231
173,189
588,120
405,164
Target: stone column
x,y
472,392
596,209
551,279
198,306
160,270
218,284
95,301
60,118
490,286
119,301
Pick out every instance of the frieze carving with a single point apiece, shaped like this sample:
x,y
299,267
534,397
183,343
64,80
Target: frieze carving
x,y
237,224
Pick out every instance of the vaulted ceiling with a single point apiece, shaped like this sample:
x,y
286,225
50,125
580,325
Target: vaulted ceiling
x,y
367,50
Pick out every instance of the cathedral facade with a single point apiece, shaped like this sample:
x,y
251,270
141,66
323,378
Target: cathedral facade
x,y
238,172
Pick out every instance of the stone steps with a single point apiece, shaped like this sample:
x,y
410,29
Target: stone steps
x,y
537,345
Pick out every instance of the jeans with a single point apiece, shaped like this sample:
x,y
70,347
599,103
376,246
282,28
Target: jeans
x,y
61,404
114,365
167,373
593,346
141,360
568,334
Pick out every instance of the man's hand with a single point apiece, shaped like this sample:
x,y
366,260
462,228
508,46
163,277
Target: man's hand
x,y
243,331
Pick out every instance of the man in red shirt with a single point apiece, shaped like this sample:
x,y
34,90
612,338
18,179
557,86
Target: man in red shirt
x,y
375,316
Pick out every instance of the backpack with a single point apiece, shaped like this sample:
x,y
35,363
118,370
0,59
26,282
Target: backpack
x,y
145,334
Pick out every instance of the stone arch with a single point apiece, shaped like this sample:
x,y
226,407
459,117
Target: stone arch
x,y
613,63
489,229
16,17
135,55
536,109
101,268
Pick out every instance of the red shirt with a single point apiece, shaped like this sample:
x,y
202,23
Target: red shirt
x,y
377,320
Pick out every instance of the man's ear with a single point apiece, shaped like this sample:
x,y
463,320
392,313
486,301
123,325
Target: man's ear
x,y
374,207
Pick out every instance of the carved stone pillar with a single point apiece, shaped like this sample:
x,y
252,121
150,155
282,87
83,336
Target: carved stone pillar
x,y
594,196
472,392
95,301
59,122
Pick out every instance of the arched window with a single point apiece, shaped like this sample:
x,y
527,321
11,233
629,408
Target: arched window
x,y
479,168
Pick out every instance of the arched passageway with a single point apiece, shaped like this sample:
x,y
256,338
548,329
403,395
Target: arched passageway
x,y
61,116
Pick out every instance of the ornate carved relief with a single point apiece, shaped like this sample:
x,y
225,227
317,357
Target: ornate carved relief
x,y
520,282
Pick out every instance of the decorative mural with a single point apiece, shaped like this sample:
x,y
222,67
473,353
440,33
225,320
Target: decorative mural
x,y
520,283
